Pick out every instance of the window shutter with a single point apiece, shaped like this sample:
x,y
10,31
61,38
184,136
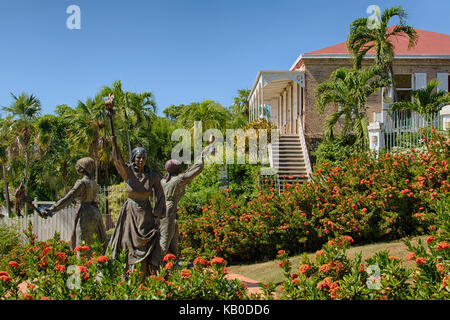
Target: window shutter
x,y
420,81
443,78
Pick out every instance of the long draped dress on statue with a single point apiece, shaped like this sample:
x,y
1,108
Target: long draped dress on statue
x,y
174,190
136,229
88,219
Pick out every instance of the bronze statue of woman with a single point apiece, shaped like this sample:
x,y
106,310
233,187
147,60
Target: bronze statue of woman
x,y
174,184
88,220
137,228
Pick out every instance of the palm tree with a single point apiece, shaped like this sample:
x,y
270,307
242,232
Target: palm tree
x,y
363,38
25,109
210,113
4,142
349,89
133,108
88,121
240,108
425,101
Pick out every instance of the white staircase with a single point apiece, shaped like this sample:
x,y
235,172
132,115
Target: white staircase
x,y
289,160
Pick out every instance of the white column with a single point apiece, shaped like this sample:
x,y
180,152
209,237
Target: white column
x,y
445,115
289,108
295,108
280,113
376,136
274,110
284,111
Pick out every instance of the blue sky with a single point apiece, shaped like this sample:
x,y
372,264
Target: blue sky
x,y
181,50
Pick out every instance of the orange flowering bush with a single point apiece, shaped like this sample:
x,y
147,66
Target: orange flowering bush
x,y
368,197
381,277
432,259
51,271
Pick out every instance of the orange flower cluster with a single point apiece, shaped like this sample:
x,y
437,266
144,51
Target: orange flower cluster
x,y
333,287
81,248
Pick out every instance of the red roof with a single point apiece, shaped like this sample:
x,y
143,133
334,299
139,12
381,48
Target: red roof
x,y
428,43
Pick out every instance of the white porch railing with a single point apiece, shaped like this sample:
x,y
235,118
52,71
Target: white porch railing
x,y
402,130
301,134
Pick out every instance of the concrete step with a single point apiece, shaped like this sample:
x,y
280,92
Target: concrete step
x,y
290,159
290,163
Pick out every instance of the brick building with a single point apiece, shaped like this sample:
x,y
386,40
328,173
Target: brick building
x,y
289,94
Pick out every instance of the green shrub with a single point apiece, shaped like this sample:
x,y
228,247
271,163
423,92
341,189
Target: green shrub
x,y
335,151
116,198
202,188
9,238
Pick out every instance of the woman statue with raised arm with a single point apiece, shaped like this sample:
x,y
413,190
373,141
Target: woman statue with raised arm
x,y
88,220
174,184
137,230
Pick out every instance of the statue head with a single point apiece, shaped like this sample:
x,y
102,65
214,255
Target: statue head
x,y
85,166
172,167
139,157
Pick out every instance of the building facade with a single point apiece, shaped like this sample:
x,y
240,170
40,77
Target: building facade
x,y
289,94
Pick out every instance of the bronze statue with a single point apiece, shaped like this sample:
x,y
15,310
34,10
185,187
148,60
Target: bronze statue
x,y
88,217
22,198
137,228
174,184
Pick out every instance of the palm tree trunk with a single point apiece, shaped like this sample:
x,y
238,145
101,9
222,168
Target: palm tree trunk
x,y
129,144
27,160
6,190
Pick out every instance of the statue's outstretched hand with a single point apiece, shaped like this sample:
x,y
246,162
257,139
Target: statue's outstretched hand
x,y
210,149
47,213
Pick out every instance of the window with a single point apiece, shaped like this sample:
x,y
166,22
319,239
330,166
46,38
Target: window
x,y
403,84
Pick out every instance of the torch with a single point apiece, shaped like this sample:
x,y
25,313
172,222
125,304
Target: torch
x,y
109,105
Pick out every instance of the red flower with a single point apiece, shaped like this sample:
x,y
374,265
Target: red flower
x,y
169,265
411,256
169,257
201,261
304,268
430,239
28,296
281,252
325,268
4,277
46,250
45,298
82,269
60,268
13,264
217,260
130,271
319,253
185,273
102,259
442,246
81,248
325,283
421,260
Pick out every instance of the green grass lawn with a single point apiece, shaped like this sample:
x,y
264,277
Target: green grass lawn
x,y
270,271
